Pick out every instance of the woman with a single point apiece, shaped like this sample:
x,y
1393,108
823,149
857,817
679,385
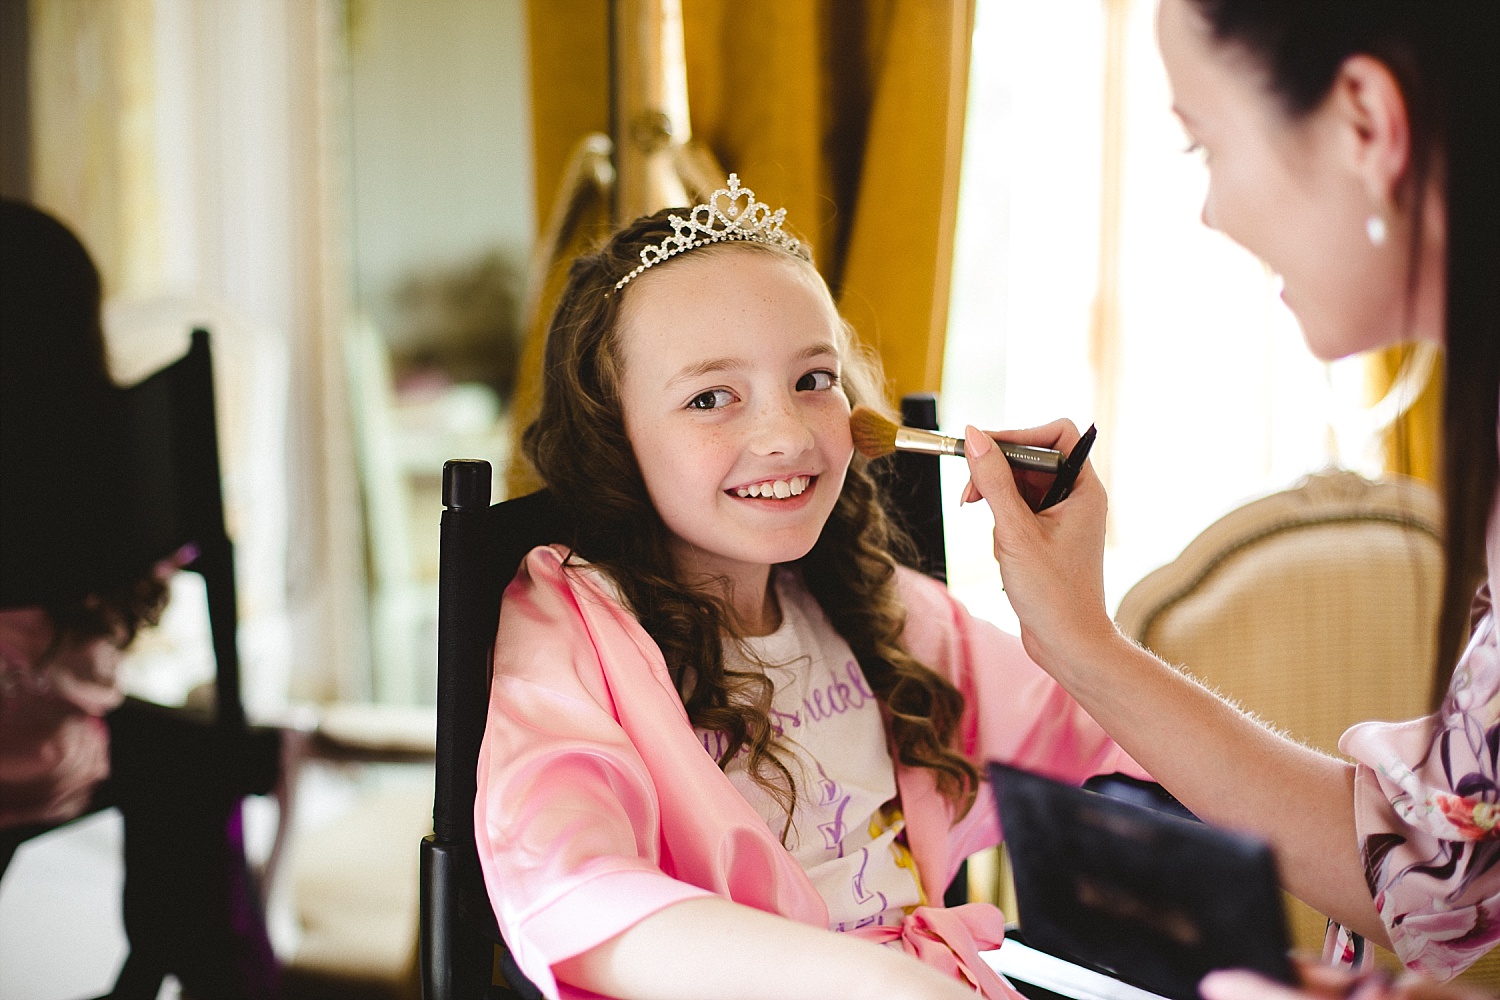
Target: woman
x,y
1350,145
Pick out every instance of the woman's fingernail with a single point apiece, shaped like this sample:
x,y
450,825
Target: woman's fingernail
x,y
1210,985
976,443
1226,984
970,494
1375,983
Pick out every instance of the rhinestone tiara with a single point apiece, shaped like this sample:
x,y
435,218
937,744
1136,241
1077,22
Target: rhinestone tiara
x,y
730,214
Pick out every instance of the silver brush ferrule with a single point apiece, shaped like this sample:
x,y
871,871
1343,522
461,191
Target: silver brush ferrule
x,y
932,443
927,442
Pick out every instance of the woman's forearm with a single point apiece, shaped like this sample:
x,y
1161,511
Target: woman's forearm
x,y
1218,761
1231,770
713,947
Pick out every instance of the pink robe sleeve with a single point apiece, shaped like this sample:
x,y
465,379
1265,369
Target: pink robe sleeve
x,y
567,817
1015,713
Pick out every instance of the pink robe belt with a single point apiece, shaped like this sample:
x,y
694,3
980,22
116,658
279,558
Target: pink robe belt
x,y
951,939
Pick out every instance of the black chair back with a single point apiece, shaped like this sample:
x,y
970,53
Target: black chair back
x,y
481,550
914,489
178,500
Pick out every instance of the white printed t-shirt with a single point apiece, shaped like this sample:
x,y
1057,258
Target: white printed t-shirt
x,y
847,820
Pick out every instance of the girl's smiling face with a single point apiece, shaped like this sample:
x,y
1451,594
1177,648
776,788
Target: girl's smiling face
x,y
730,388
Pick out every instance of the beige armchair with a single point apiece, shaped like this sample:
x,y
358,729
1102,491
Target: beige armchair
x,y
1314,608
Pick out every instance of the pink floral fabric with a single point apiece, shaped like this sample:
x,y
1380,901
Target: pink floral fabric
x,y
54,745
1427,809
54,748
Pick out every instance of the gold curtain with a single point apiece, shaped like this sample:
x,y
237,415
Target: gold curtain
x,y
1412,445
847,112
92,157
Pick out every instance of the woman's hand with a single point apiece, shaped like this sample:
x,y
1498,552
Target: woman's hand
x,y
1052,563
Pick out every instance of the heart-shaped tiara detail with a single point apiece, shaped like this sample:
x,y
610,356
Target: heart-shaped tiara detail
x,y
730,214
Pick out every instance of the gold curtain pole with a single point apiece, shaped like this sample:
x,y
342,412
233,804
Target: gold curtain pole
x,y
649,105
657,163
650,161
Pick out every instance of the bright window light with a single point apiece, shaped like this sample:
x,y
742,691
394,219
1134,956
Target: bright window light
x,y
1215,398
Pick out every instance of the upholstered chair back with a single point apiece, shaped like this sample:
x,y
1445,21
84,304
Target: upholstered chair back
x,y
1313,608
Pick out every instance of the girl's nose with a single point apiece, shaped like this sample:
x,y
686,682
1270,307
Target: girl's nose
x,y
781,429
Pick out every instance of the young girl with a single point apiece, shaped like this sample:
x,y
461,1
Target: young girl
x,y
732,746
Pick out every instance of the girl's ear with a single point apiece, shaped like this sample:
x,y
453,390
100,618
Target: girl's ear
x,y
1370,111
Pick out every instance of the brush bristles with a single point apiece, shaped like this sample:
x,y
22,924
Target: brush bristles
x,y
874,433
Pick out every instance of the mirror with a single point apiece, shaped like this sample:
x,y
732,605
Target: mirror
x,y
440,225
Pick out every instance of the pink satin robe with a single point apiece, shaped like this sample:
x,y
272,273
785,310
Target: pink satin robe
x,y
598,806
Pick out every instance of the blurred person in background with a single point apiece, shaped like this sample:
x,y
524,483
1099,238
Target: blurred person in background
x,y
75,587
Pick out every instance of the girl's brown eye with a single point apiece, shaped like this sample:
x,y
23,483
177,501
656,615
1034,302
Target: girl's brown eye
x,y
814,381
710,400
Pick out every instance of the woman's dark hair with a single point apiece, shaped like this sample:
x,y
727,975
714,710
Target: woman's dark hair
x,y
1443,53
579,447
63,543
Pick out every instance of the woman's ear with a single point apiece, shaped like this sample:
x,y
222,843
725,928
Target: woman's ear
x,y
1370,110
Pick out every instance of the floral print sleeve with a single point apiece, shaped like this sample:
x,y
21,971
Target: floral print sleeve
x,y
1427,811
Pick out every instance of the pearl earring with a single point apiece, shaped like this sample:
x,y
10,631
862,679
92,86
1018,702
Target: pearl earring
x,y
1375,229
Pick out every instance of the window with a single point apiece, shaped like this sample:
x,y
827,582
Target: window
x,y
1204,393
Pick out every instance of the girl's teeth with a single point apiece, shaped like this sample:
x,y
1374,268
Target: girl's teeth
x,y
780,488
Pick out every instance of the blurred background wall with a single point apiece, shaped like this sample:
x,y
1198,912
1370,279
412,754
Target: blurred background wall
x,y
341,189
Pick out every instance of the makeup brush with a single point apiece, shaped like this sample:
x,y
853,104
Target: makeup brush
x,y
875,435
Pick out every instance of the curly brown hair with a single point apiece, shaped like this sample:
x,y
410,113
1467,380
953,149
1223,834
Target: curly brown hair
x,y
115,612
579,447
